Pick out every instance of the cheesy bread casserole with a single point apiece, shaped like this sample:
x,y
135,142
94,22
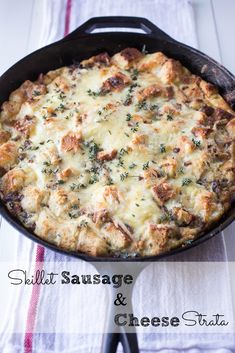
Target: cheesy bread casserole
x,y
130,155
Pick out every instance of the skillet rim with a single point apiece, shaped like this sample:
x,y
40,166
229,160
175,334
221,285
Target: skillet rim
x,y
219,226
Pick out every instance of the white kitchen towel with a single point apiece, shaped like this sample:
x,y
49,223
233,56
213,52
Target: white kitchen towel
x,y
32,309
173,16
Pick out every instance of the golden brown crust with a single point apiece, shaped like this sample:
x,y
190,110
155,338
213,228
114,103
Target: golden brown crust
x,y
128,155
115,83
25,126
8,154
106,155
4,136
102,59
163,192
71,142
12,181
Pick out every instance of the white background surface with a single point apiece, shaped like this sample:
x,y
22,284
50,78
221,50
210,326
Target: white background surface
x,y
20,28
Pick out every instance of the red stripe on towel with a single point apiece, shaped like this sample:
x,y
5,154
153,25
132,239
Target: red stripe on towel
x,y
67,17
40,252
32,310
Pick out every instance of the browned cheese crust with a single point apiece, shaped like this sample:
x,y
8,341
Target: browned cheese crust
x,y
130,155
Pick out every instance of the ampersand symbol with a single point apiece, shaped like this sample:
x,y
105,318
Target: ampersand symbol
x,y
120,300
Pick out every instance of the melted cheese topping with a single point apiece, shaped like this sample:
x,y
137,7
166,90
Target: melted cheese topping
x,y
125,155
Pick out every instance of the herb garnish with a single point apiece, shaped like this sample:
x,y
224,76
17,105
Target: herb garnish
x,y
93,94
128,99
61,107
76,187
135,127
186,181
123,176
197,143
93,149
146,166
109,181
162,148
128,117
62,95
60,182
36,93
142,105
34,148
132,165
73,214
153,107
131,88
83,223
123,151
134,74
165,218
47,171
120,162
181,170
94,179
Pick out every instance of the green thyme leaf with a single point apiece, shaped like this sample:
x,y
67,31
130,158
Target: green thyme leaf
x,y
132,165
123,151
123,176
83,223
134,74
186,181
146,166
93,93
128,117
197,143
162,148
135,127
169,117
142,105
60,182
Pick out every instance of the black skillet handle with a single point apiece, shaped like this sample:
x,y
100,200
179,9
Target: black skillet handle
x,y
110,342
128,340
113,334
118,22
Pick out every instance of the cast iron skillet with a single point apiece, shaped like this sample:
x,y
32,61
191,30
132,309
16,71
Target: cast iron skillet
x,y
80,45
